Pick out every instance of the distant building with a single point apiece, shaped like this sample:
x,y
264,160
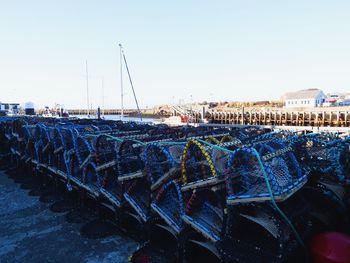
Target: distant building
x,y
337,99
6,108
304,98
29,108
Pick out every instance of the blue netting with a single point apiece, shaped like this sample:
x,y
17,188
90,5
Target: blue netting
x,y
245,179
169,205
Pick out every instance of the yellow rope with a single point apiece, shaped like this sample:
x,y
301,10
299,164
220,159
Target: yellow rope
x,y
212,140
226,138
204,153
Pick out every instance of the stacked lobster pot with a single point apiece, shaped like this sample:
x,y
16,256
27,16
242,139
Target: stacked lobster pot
x,y
102,169
146,167
261,184
244,194
104,162
173,173
8,140
326,160
79,155
17,137
135,175
185,183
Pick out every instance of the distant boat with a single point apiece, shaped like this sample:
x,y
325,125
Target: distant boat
x,y
179,120
47,113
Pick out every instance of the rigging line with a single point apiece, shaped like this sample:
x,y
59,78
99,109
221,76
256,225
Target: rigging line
x,y
132,86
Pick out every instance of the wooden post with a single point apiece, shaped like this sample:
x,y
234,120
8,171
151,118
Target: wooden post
x,y
338,124
323,118
242,116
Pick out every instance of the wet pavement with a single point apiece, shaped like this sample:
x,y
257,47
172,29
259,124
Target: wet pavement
x,y
30,232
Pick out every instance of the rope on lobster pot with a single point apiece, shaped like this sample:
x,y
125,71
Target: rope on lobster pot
x,y
213,140
205,154
273,201
121,140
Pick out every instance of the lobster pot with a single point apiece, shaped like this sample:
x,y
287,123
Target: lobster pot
x,y
103,127
159,160
204,211
252,234
57,150
222,138
67,137
313,153
106,167
48,143
136,178
7,128
169,205
159,167
130,175
10,139
262,138
116,155
106,159
129,156
247,134
203,190
17,141
343,158
83,155
209,134
196,163
4,142
328,205
84,129
29,139
255,174
258,232
255,233
22,138
41,138
12,136
138,195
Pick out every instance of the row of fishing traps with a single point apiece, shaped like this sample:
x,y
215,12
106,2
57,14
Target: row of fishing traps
x,y
244,194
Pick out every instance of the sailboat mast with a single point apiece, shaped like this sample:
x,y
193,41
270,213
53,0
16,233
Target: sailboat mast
x,y
132,86
87,88
121,82
103,96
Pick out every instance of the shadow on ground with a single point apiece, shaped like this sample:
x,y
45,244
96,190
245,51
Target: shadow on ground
x,y
30,232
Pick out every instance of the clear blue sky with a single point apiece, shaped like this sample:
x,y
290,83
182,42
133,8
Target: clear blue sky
x,y
212,50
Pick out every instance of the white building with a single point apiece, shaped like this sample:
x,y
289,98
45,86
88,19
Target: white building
x,y
304,98
9,107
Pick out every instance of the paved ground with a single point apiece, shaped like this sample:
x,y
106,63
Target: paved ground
x,y
30,232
